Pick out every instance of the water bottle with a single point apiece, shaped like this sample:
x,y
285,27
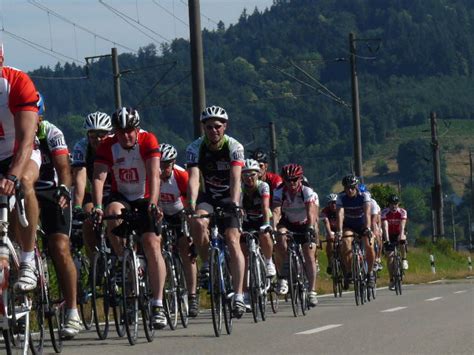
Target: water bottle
x,y
44,261
4,266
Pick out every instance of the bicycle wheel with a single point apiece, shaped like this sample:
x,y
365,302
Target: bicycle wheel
x,y
84,292
130,296
215,292
145,306
19,324
54,324
37,314
340,277
398,278
263,288
183,301
302,286
356,277
292,284
226,294
272,295
170,293
253,285
114,287
100,295
334,276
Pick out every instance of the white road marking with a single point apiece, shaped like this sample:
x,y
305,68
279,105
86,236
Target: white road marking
x,y
457,292
433,299
435,281
393,309
320,329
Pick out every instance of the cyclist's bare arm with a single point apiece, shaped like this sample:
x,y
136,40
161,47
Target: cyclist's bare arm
x,y
403,222
153,174
80,181
25,130
61,164
235,183
193,185
98,181
385,230
276,216
340,218
327,226
267,213
367,214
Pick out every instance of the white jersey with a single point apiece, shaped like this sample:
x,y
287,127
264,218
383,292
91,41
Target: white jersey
x,y
294,207
374,207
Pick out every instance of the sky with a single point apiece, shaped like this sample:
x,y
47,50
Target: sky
x,y
41,33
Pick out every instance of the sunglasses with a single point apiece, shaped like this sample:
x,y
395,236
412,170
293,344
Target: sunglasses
x,y
292,179
98,134
124,131
165,164
249,174
214,127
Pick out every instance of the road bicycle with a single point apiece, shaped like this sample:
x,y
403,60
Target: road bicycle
x,y
397,269
15,307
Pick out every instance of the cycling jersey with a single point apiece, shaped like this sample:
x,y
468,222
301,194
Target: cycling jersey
x,y
51,142
83,156
215,165
293,208
252,200
374,207
331,216
173,191
273,180
394,219
17,93
129,176
354,217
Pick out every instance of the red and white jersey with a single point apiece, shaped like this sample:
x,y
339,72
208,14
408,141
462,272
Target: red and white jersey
x,y
128,165
17,93
294,207
173,191
394,219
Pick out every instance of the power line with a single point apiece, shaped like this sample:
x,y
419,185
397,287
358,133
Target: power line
x,y
131,22
202,14
156,84
54,13
58,77
169,12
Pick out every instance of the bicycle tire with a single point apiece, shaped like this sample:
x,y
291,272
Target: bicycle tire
x,y
264,286
84,292
340,277
225,292
398,281
145,306
273,297
100,294
170,301
18,333
215,292
363,280
130,289
37,313
292,284
302,286
253,286
183,299
54,324
334,276
356,277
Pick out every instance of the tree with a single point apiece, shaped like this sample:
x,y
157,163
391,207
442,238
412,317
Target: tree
x,y
381,167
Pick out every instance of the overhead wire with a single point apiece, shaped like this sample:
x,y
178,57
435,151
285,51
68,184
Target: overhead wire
x,y
170,13
160,79
65,19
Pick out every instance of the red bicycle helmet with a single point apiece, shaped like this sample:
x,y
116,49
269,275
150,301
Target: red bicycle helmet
x,y
291,171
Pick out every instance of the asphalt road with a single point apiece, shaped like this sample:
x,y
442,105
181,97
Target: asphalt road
x,y
436,318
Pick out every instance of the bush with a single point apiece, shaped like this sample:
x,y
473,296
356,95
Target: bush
x,y
381,167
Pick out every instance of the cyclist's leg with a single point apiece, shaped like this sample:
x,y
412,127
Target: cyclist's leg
x,y
266,245
346,250
310,264
26,236
88,233
329,251
369,253
115,208
189,264
237,259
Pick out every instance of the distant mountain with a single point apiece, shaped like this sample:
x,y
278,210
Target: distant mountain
x,y
414,56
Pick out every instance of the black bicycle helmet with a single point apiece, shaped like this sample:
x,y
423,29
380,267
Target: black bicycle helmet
x,y
125,118
260,156
350,180
393,199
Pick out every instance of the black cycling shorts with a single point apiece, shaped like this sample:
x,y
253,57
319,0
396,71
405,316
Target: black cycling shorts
x,y
54,220
5,165
207,203
295,228
174,223
145,224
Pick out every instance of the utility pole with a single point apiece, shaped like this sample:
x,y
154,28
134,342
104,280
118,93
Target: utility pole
x,y
273,150
453,225
115,68
197,65
355,110
437,200
471,229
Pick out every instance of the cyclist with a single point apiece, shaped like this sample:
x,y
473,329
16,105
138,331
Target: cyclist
x,y
218,158
133,158
272,179
329,218
174,182
295,209
394,219
98,126
376,227
18,122
353,216
54,196
256,205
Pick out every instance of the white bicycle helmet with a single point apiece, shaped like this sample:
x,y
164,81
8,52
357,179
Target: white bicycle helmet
x,y
251,165
98,121
214,112
331,198
168,152
126,117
